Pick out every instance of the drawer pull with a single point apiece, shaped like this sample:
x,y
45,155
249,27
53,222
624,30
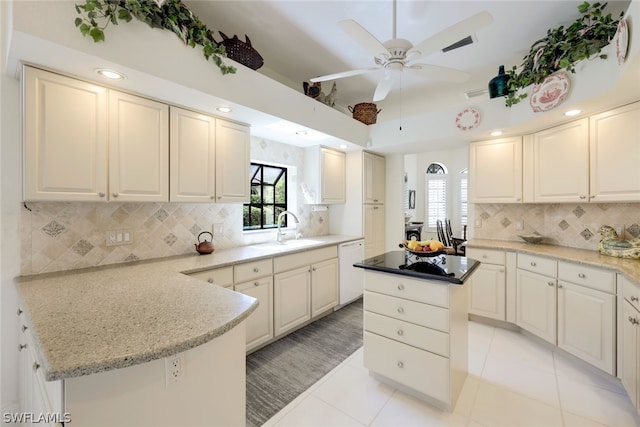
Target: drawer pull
x,y
559,285
550,283
115,194
581,275
400,332
484,256
634,299
313,269
400,310
401,287
24,328
256,283
256,269
21,347
19,312
533,264
101,194
36,366
401,364
210,280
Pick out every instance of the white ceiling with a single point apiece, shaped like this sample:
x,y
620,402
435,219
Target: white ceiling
x,y
300,39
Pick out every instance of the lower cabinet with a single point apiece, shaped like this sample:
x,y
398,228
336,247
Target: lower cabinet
x,y
536,304
487,286
292,296
630,339
324,286
260,323
373,218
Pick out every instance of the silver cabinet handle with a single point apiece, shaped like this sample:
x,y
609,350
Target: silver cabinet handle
x,y
375,200
24,328
101,194
559,285
21,347
313,269
484,256
533,264
256,269
400,364
19,312
583,197
210,280
633,320
634,298
256,283
400,332
401,287
400,310
115,194
581,275
36,366
212,197
550,283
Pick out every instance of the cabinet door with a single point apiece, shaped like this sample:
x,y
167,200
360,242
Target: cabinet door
x,y
536,304
487,292
373,230
291,299
615,155
332,176
630,373
373,178
138,149
324,286
260,323
65,124
586,324
232,162
192,156
495,171
561,163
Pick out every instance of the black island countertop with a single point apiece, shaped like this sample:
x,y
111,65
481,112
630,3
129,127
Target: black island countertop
x,y
453,269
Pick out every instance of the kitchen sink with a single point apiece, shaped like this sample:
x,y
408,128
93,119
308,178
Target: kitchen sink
x,y
286,244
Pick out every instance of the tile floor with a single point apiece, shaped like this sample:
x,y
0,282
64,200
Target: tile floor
x,y
513,381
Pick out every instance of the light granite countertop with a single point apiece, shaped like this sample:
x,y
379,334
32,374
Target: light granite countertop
x,y
97,319
628,267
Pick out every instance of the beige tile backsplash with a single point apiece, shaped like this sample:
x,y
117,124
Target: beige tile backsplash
x,y
58,236
573,225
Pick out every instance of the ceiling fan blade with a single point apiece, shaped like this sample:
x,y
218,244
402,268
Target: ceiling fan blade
x,y
450,35
343,74
384,86
436,72
363,37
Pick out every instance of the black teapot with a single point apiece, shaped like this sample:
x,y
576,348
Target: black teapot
x,y
205,247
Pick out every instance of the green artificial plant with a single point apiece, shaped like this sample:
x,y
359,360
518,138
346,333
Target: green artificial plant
x,y
562,48
170,15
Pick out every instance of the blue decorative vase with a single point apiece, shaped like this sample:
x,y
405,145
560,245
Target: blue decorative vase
x,y
498,84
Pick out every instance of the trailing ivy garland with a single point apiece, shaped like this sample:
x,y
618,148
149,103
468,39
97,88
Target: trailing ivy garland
x,y
171,15
563,48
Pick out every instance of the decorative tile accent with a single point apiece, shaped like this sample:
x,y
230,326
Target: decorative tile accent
x,y
119,215
485,216
563,225
634,230
82,247
170,239
587,234
578,211
195,229
505,222
131,258
161,215
53,228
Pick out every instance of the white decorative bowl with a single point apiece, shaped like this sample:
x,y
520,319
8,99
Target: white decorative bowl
x,y
532,238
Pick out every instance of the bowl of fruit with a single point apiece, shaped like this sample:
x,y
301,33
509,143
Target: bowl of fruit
x,y
424,247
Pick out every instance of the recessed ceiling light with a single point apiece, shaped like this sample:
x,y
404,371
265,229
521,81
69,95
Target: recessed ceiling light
x,y
343,146
224,109
496,133
572,113
110,74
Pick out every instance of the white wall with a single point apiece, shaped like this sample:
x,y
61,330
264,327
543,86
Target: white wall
x,y
394,201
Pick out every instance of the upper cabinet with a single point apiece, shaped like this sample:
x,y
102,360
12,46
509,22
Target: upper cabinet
x,y
615,154
495,171
373,178
324,176
232,162
560,160
65,124
138,149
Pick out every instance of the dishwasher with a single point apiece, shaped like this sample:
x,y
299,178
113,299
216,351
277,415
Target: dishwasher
x,y
351,278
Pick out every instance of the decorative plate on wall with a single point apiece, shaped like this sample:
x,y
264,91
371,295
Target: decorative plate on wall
x,y
551,92
467,119
622,41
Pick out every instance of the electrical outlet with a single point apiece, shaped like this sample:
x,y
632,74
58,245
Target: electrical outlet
x,y
173,369
119,237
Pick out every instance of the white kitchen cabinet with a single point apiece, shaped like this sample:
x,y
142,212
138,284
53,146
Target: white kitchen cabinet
x,y
232,162
138,149
629,342
487,286
260,323
324,286
561,163
216,276
324,176
615,154
373,178
536,304
374,225
495,171
65,138
192,156
292,299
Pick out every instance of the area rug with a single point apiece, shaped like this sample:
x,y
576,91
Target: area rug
x,y
279,372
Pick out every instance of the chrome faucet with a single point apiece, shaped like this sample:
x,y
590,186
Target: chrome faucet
x,y
280,234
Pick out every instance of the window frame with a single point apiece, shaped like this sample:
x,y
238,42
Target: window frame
x,y
261,205
436,172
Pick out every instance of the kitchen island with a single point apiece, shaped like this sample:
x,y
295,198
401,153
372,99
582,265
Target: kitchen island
x,y
415,323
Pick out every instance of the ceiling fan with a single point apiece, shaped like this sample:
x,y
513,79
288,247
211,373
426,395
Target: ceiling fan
x,y
396,55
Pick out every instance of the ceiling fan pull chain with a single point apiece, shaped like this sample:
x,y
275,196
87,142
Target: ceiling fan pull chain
x,y
400,101
395,18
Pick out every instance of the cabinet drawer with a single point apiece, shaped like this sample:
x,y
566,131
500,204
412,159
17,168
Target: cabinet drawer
x,y
252,270
408,333
300,259
420,370
407,288
219,276
409,311
630,291
590,277
489,256
537,264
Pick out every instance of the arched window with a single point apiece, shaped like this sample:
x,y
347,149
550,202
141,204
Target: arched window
x,y
436,194
464,196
